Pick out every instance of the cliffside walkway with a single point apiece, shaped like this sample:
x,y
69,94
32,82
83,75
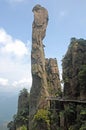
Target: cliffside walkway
x,y
65,100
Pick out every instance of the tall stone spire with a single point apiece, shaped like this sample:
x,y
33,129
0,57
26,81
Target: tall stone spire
x,y
45,74
39,83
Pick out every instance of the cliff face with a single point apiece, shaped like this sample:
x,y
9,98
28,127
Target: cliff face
x,y
39,83
22,116
65,114
23,100
74,77
73,63
54,86
45,73
20,120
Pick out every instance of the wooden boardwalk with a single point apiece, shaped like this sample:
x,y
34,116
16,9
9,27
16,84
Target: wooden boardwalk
x,y
65,100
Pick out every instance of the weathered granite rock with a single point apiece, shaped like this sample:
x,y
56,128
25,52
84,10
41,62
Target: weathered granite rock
x,y
45,75
39,24
21,118
23,110
73,61
53,80
23,100
39,29
39,90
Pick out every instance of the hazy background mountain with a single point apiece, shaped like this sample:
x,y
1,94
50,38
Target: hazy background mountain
x,y
8,107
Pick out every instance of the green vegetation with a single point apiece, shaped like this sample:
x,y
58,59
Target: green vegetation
x,y
83,127
72,115
75,117
11,125
41,120
54,120
23,127
21,119
82,76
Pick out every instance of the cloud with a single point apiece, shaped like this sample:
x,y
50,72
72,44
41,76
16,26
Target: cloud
x,y
4,37
16,47
3,82
9,45
15,64
23,83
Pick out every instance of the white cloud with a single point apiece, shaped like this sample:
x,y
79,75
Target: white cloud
x,y
23,83
10,45
3,81
15,63
4,37
17,48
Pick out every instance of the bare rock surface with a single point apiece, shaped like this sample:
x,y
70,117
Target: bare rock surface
x,y
73,61
39,67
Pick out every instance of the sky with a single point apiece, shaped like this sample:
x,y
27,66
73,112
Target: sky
x,y
67,19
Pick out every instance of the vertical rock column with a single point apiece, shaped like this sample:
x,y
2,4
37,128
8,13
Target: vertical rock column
x,y
39,82
53,79
74,66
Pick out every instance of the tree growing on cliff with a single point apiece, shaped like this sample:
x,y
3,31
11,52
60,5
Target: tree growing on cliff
x,y
41,120
82,75
21,119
